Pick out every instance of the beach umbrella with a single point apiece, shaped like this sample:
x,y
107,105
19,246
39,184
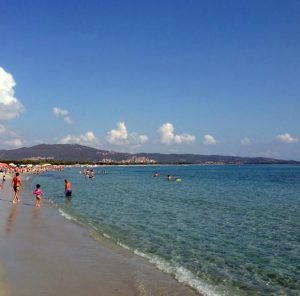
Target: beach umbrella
x,y
4,165
12,164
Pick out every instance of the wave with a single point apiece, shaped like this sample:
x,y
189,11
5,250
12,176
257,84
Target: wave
x,y
181,274
67,216
106,235
124,246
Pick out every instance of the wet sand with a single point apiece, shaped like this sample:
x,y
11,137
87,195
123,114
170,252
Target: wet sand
x,y
42,253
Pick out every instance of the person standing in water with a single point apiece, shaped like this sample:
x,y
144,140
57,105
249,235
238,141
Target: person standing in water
x,y
16,184
92,174
68,190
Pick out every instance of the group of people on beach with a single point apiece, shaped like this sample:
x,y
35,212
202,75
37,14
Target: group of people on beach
x,y
17,185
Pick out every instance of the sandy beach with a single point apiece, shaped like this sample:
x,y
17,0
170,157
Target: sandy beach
x,y
43,253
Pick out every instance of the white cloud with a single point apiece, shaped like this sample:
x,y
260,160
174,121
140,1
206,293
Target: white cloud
x,y
88,139
184,138
68,120
209,140
58,112
2,129
10,107
286,138
116,136
14,143
245,141
9,139
167,135
143,139
121,137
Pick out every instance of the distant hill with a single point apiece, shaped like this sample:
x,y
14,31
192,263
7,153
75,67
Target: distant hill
x,y
79,153
64,152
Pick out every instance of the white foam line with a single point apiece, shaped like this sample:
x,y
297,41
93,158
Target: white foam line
x,y
106,235
181,274
67,216
124,246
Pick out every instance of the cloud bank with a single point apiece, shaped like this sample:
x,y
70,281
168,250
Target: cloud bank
x,y
167,135
121,137
58,112
209,140
87,139
10,107
286,138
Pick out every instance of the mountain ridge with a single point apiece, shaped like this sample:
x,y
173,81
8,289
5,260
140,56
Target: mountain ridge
x,y
80,153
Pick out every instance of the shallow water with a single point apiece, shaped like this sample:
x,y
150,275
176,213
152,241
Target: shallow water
x,y
224,230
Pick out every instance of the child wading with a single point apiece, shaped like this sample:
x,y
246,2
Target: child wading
x,y
38,194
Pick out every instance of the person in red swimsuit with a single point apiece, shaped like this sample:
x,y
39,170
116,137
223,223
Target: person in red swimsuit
x,y
17,185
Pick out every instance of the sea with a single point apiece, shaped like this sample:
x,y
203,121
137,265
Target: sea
x,y
223,230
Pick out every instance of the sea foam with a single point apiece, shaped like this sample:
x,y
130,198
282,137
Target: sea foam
x,y
65,215
181,274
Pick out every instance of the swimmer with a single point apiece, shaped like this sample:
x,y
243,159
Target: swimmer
x,y
92,174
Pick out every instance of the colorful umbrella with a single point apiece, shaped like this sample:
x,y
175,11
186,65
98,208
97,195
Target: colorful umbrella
x,y
4,165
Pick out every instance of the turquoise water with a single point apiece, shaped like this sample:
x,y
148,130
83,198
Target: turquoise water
x,y
224,230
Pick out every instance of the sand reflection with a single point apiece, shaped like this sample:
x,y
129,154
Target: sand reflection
x,y
37,212
10,221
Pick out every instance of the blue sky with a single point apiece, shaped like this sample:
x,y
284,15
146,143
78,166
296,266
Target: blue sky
x,y
207,77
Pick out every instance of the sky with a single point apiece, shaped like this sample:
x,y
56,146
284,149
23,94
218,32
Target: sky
x,y
169,76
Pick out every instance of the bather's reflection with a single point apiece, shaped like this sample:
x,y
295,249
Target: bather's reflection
x,y
37,211
10,221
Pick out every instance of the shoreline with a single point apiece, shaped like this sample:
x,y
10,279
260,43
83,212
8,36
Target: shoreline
x,y
43,253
